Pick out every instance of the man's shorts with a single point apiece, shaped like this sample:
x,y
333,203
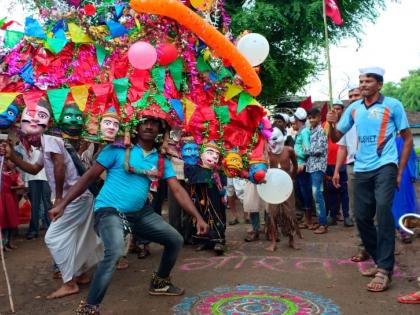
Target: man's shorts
x,y
236,186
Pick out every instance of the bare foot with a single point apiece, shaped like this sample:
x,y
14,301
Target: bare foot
x,y
65,290
292,243
272,247
83,279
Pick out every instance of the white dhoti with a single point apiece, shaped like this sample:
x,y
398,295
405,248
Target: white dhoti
x,y
72,240
252,200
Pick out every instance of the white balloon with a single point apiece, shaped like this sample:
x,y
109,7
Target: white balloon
x,y
277,188
401,221
254,47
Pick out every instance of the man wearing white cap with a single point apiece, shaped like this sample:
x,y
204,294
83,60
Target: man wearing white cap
x,y
378,119
303,179
280,121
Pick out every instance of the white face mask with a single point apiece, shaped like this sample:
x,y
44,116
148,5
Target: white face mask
x,y
34,122
210,157
276,141
109,128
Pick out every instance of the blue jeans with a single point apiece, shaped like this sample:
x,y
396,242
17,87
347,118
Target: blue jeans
x,y
304,193
145,224
318,195
40,197
373,195
337,196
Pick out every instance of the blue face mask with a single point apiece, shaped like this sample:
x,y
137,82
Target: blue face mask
x,y
190,153
8,117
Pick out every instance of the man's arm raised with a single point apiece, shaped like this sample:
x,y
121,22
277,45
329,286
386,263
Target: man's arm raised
x,y
9,152
79,188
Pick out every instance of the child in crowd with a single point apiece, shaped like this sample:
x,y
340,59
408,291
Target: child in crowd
x,y
282,215
9,204
316,165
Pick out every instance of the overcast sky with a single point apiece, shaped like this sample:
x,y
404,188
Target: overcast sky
x,y
392,43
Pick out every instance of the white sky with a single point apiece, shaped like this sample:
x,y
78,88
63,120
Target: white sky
x,y
392,43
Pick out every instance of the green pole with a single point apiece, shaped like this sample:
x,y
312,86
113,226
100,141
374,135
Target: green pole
x,y
327,54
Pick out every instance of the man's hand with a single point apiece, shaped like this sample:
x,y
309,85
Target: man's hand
x,y
300,169
399,176
56,212
332,118
336,180
202,227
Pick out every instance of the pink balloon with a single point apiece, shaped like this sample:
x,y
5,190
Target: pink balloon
x,y
142,55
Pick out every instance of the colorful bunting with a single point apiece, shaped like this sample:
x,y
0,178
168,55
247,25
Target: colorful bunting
x,y
222,113
121,88
202,65
223,73
33,28
232,91
27,73
158,75
100,54
31,99
12,38
177,106
57,98
162,102
119,9
142,103
176,68
78,35
6,99
244,100
189,109
55,45
80,95
116,29
60,34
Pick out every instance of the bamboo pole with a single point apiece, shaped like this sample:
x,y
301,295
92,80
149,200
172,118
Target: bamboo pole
x,y
327,55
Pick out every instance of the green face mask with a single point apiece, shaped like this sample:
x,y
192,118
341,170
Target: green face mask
x,y
71,121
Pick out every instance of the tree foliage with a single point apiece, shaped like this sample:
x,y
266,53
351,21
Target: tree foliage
x,y
407,90
295,31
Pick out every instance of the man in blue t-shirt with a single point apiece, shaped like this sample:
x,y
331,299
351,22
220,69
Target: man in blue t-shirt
x,y
122,204
378,119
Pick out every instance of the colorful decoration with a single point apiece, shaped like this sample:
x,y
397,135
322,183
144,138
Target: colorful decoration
x,y
8,117
142,55
233,164
276,141
110,124
257,300
71,121
210,155
35,121
254,47
190,153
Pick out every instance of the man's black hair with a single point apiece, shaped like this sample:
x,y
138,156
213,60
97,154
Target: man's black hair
x,y
314,112
377,77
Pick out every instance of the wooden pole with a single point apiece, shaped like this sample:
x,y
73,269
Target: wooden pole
x,y
327,55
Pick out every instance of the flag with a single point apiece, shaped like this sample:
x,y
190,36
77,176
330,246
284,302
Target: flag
x,y
324,112
306,104
332,10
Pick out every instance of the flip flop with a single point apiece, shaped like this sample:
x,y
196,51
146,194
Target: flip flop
x,y
361,256
413,298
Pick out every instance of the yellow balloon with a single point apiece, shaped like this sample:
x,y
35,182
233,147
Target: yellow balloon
x,y
204,5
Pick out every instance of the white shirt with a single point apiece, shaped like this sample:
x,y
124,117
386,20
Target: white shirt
x,y
31,159
350,141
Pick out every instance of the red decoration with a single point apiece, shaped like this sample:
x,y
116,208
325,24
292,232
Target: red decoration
x,y
89,9
306,104
167,54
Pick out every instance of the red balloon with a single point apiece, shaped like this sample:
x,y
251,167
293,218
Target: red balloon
x,y
167,54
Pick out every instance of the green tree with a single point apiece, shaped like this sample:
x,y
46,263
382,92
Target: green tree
x,y
295,31
407,90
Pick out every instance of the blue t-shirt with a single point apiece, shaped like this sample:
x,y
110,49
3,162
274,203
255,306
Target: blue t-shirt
x,y
124,191
376,126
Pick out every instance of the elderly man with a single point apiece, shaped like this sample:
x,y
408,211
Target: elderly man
x,y
378,119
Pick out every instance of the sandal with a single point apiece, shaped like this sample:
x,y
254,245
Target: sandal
x,y
381,281
362,255
370,272
252,236
322,229
413,298
313,226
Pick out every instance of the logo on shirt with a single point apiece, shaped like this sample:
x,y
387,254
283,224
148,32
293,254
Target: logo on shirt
x,y
375,113
368,139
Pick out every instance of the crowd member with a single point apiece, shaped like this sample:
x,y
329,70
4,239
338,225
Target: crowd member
x,y
336,197
303,179
253,205
235,191
282,215
71,239
9,217
405,200
316,166
121,204
347,147
281,121
377,118
38,190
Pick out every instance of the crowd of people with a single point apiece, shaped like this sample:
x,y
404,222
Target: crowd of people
x,y
344,169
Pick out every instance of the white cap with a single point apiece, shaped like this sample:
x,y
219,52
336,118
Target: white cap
x,y
353,86
372,70
338,102
285,117
300,113
292,119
